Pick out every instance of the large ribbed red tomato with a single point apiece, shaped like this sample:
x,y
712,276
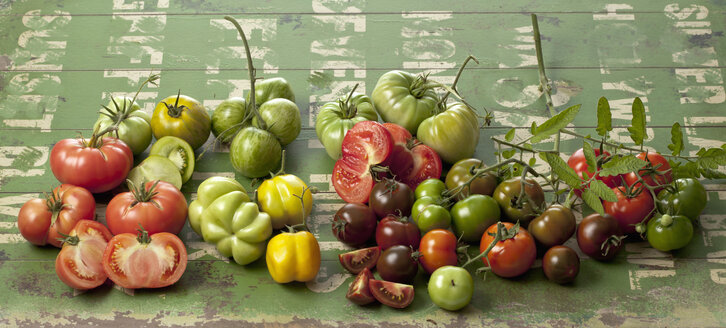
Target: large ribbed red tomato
x,y
97,165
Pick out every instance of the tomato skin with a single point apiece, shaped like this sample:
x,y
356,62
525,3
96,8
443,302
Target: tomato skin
x,y
430,188
561,264
227,118
453,133
509,190
397,100
451,287
666,233
333,121
460,173
649,174
164,212
512,257
554,226
389,197
184,117
354,224
438,249
35,219
579,164
411,161
629,211
96,169
255,152
293,257
394,230
596,229
80,265
271,88
687,198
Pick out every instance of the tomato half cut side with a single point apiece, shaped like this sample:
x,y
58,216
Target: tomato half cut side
x,y
368,141
352,180
360,259
359,291
133,262
80,262
392,294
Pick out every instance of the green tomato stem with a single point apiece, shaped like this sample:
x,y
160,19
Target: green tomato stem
x,y
544,84
349,111
442,102
573,133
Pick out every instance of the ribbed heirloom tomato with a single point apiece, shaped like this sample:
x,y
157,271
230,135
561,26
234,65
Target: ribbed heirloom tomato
x,y
157,207
97,164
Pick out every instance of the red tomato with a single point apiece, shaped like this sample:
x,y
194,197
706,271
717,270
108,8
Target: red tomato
x,y
367,143
437,248
630,209
158,207
655,174
80,262
143,261
578,163
511,257
75,162
42,221
393,230
410,160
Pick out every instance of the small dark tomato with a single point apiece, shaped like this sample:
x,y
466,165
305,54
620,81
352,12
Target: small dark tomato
x,y
599,236
398,264
561,264
554,226
394,230
391,197
513,209
354,224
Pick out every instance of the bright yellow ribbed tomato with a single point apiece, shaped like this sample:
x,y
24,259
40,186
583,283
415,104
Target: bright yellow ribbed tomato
x,y
293,257
280,198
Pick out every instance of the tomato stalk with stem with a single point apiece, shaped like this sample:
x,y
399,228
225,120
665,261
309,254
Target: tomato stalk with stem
x,y
502,234
118,114
252,72
544,83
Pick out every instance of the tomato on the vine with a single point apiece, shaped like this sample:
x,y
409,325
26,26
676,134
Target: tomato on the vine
x,y
80,262
578,163
429,214
685,197
157,206
97,164
398,263
634,206
554,226
514,209
472,216
438,249
666,233
433,188
512,256
599,236
656,173
460,173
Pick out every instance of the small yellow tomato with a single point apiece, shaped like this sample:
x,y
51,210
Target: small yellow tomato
x,y
280,197
293,257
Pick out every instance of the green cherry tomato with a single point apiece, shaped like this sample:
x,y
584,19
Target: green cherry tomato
x,y
155,167
227,118
473,215
451,287
430,188
453,133
405,99
429,215
282,118
336,118
178,152
507,195
686,197
135,127
255,152
184,117
269,89
666,232
460,173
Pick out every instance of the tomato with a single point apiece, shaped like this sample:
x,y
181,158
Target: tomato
x,y
599,236
473,215
336,118
282,118
460,173
656,173
405,99
227,118
430,188
632,207
181,116
513,209
155,167
453,133
354,224
97,165
510,257
429,214
666,233
80,262
360,259
44,221
143,261
438,249
561,264
451,288
134,128
366,144
267,89
394,230
554,226
686,197
255,152
398,263
391,197
391,294
157,207
293,257
410,161
359,291
286,198
178,152
578,163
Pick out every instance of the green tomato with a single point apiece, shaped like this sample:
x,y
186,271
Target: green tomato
x,y
268,89
135,127
336,118
154,168
513,210
473,215
207,192
668,232
178,152
184,117
255,152
227,118
687,198
429,215
451,287
453,133
430,188
405,99
282,118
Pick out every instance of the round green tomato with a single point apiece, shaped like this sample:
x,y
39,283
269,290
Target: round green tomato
x,y
184,117
451,287
402,98
687,198
268,89
429,215
154,168
227,118
666,232
460,173
430,188
178,152
255,152
135,127
507,195
207,192
473,215
336,118
454,133
282,118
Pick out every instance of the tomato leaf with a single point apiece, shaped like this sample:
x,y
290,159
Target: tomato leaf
x,y
510,135
554,124
533,128
589,157
593,201
622,165
711,158
604,117
637,130
687,170
507,154
712,174
532,161
562,170
676,145
603,191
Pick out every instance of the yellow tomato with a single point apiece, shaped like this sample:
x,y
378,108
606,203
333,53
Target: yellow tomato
x,y
293,257
183,117
280,198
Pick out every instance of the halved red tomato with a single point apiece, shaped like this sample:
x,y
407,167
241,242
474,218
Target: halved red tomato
x,y
360,259
80,262
359,291
410,160
392,294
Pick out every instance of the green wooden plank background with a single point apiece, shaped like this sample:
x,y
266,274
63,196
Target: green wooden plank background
x,y
60,60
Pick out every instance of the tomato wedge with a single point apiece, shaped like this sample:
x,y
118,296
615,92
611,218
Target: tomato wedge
x,y
359,291
392,294
410,160
360,259
80,262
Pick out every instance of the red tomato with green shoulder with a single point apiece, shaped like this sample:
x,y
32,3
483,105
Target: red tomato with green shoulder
x,y
512,256
96,164
80,262
656,173
157,207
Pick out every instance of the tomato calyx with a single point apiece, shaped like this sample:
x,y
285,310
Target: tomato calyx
x,y
502,234
68,239
55,204
419,86
349,110
611,242
142,195
175,110
143,236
